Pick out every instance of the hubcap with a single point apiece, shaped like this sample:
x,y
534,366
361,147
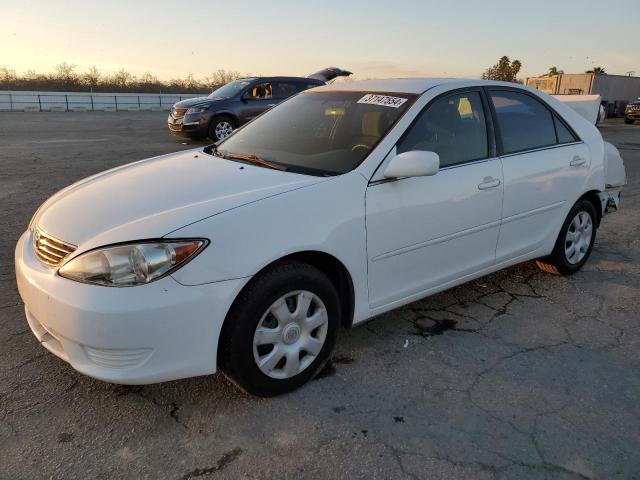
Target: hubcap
x,y
223,130
290,334
578,238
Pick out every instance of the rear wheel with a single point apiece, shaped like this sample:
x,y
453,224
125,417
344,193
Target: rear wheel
x,y
281,330
628,120
221,127
575,241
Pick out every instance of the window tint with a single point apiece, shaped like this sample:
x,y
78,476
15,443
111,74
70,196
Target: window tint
x,y
523,122
261,91
564,134
454,127
286,89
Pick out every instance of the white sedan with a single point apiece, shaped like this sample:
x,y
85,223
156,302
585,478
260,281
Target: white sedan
x,y
341,203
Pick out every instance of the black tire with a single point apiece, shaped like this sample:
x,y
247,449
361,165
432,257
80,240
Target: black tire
x,y
557,263
236,355
628,121
217,120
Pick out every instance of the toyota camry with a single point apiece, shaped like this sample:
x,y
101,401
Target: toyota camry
x,y
339,204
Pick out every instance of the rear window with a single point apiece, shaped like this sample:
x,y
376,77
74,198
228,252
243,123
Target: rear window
x,y
523,122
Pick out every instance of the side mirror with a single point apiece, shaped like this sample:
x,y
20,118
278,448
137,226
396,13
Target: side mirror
x,y
416,163
246,96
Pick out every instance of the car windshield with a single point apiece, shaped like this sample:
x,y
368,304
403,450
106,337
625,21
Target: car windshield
x,y
320,133
229,90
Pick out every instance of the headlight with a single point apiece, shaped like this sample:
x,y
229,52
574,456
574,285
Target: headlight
x,y
196,110
131,264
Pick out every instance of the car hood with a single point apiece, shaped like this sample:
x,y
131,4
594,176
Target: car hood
x,y
151,198
195,102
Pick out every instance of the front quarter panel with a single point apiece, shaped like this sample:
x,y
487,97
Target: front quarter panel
x,y
326,217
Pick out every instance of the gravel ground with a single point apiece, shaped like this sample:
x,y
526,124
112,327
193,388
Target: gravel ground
x,y
518,375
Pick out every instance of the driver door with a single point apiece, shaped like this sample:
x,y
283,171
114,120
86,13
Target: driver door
x,y
255,100
426,232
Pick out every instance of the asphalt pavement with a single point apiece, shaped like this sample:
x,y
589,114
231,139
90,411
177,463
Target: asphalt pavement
x,y
518,375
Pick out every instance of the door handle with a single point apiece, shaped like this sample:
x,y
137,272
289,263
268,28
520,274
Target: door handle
x,y
577,161
489,182
271,105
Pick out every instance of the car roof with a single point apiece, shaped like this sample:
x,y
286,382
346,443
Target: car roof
x,y
410,85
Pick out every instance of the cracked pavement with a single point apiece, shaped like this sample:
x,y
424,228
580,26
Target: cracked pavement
x,y
518,375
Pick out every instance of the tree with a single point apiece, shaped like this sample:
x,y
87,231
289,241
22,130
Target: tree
x,y
148,78
221,77
597,70
505,70
7,77
554,71
65,73
92,77
122,79
190,83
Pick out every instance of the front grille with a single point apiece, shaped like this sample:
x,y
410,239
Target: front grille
x,y
49,250
179,112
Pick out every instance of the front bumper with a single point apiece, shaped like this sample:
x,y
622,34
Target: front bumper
x,y
187,127
132,335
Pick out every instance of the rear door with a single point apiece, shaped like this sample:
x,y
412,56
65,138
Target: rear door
x,y
423,232
545,166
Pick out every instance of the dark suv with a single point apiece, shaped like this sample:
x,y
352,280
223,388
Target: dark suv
x,y
237,102
632,111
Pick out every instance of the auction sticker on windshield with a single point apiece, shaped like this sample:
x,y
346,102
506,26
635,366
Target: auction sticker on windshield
x,y
384,100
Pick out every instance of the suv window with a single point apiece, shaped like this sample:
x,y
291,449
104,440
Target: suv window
x,y
286,89
524,123
261,91
454,127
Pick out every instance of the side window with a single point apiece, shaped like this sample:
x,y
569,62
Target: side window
x,y
454,127
523,122
564,134
261,91
286,89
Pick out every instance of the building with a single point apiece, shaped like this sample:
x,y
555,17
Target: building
x,y
616,90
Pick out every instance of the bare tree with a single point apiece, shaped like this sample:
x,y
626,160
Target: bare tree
x,y
92,77
220,77
122,79
66,75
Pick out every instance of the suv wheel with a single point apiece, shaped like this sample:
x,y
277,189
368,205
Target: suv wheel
x,y
281,329
221,127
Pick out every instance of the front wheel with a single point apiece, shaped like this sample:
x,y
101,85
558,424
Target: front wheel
x,y
281,329
575,241
628,121
221,127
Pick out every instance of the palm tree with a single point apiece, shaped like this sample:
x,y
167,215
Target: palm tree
x,y
597,70
554,71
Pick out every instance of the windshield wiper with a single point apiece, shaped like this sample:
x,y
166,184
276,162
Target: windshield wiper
x,y
247,157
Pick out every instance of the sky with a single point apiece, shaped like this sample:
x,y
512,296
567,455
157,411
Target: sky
x,y
373,39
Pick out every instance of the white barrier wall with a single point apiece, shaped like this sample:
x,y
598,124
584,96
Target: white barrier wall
x,y
14,101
